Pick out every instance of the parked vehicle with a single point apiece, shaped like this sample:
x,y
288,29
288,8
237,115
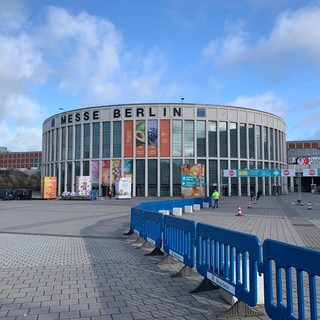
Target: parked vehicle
x,y
6,194
22,194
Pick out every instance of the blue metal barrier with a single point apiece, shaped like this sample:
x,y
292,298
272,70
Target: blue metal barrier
x,y
290,275
179,239
137,223
230,260
153,228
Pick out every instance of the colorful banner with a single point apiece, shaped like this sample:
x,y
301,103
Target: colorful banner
x,y
49,188
140,138
152,138
83,186
116,171
192,181
259,173
123,188
95,172
127,168
164,138
128,138
311,172
105,172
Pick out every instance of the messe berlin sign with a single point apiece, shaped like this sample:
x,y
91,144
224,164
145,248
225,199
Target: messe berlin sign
x,y
259,173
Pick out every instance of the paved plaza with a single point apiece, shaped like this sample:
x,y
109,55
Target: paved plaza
x,y
70,259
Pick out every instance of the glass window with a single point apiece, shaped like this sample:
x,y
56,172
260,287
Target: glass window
x,y
251,141
265,143
233,140
69,177
86,141
176,177
140,178
58,144
78,141
117,136
96,140
152,178
189,138
85,169
70,142
259,142
212,134
63,171
201,139
243,140
201,112
271,144
106,139
177,138
63,146
223,139
164,178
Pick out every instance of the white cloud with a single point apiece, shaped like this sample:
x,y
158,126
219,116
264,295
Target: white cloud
x,y
13,15
268,102
296,34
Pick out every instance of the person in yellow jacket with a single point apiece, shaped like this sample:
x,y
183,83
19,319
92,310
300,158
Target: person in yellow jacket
x,y
215,198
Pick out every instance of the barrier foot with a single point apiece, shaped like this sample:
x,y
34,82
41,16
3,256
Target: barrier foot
x,y
205,285
129,233
239,309
168,260
185,272
139,241
155,252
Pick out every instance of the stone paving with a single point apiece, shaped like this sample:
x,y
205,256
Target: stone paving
x,y
70,260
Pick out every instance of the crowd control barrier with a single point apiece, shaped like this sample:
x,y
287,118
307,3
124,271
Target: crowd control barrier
x,y
290,278
229,259
153,228
179,239
233,260
137,223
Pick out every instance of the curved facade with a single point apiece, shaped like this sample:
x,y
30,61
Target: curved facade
x,y
150,142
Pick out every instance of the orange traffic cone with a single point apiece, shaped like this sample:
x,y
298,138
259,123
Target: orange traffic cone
x,y
249,205
309,206
239,212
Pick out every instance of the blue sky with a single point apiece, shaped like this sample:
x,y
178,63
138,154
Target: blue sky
x,y
261,54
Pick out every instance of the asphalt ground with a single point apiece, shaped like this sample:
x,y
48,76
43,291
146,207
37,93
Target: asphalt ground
x,y
70,260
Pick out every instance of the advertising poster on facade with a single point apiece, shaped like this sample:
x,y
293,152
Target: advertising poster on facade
x,y
127,168
49,188
95,172
116,170
164,138
128,138
152,138
192,181
105,172
83,186
123,188
140,138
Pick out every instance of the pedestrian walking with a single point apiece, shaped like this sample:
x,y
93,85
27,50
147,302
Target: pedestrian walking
x,y
215,198
251,195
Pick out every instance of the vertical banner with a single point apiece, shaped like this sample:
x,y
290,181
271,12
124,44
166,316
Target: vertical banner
x,y
123,188
152,138
128,138
105,172
95,172
116,171
127,168
192,180
164,138
83,186
140,138
49,188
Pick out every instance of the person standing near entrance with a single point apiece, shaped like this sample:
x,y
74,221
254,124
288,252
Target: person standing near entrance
x,y
215,198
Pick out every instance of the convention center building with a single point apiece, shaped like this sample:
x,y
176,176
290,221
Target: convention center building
x,y
151,143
